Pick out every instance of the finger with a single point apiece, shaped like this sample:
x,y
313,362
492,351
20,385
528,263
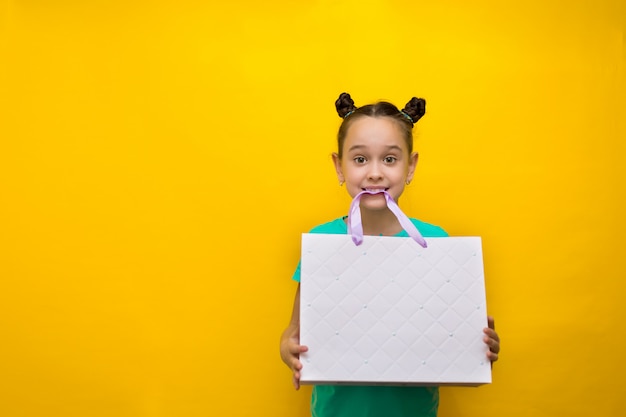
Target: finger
x,y
491,333
297,349
492,356
493,344
296,379
491,322
296,365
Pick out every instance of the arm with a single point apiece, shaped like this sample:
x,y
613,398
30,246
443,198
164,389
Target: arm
x,y
290,348
492,340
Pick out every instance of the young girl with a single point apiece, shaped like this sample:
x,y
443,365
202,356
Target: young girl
x,y
375,153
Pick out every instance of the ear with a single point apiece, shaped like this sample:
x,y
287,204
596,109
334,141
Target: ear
x,y
337,163
412,165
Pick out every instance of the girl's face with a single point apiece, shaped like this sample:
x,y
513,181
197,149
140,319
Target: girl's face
x,y
375,157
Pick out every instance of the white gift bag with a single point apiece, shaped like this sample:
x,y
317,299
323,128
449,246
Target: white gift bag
x,y
381,310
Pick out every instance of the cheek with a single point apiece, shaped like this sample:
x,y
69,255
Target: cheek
x,y
351,172
401,172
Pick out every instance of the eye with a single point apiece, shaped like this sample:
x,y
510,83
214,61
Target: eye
x,y
390,159
360,160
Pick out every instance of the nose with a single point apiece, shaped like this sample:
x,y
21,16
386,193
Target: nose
x,y
375,172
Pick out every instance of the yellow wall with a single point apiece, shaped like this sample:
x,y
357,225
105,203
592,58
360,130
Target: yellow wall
x,y
159,161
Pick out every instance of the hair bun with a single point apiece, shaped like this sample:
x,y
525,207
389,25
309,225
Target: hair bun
x,y
345,105
415,108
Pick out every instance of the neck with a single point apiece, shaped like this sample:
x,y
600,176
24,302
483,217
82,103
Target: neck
x,y
380,222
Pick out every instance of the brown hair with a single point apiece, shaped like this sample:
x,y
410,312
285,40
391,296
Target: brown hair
x,y
406,118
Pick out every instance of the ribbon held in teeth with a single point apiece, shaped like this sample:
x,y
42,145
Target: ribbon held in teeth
x,y
355,226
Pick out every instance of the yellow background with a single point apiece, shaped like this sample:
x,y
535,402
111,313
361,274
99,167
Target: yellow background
x,y
159,160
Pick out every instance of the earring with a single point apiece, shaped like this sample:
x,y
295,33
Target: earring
x,y
340,183
408,182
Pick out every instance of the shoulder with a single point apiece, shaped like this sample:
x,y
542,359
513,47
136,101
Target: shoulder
x,y
429,230
335,227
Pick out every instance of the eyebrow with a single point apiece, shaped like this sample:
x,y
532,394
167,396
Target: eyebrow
x,y
390,147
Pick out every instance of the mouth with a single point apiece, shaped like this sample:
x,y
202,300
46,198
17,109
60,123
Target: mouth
x,y
375,189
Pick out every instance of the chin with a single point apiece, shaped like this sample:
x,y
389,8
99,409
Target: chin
x,y
373,202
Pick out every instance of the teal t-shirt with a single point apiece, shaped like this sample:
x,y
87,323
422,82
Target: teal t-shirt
x,y
373,401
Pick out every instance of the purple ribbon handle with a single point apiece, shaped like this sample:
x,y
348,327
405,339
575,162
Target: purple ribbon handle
x,y
355,226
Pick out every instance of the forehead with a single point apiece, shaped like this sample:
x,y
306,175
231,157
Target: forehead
x,y
375,132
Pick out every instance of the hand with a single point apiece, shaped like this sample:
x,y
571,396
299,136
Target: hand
x,y
492,340
290,350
